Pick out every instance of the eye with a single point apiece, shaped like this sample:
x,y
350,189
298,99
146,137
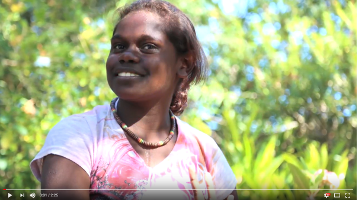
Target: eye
x,y
149,47
118,47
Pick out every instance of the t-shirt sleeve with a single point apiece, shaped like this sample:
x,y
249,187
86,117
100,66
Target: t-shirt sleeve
x,y
70,138
222,174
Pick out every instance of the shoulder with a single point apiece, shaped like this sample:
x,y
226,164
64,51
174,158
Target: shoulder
x,y
84,120
193,133
98,112
75,138
197,141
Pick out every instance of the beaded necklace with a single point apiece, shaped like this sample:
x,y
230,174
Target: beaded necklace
x,y
140,140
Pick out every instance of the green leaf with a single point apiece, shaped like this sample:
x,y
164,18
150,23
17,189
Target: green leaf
x,y
267,154
314,157
291,159
324,156
318,180
300,178
272,167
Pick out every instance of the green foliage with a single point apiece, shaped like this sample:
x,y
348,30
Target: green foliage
x,y
280,100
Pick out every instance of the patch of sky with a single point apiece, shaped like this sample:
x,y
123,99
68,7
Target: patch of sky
x,y
343,2
204,113
273,8
337,21
337,95
283,99
302,111
268,29
99,23
249,73
312,29
263,63
283,57
257,38
236,90
308,100
341,120
278,7
214,45
214,25
42,61
238,8
328,91
97,91
103,45
273,120
249,69
216,60
209,72
347,112
283,45
283,128
61,75
305,52
249,77
81,56
297,36
252,18
287,92
322,31
277,25
275,44
204,34
347,31
253,127
206,50
353,107
212,125
283,8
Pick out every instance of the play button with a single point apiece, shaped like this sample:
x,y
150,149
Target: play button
x,y
9,195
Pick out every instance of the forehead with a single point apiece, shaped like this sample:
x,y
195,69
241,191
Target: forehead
x,y
139,23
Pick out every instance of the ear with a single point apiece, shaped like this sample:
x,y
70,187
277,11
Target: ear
x,y
183,67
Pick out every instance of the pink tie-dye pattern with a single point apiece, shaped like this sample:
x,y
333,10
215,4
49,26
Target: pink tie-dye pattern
x,y
115,165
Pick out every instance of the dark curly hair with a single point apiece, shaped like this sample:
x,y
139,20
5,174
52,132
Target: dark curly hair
x,y
181,33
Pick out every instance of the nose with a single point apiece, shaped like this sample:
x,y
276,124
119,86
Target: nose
x,y
128,57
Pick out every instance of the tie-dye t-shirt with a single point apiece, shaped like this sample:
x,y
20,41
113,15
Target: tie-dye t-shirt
x,y
96,142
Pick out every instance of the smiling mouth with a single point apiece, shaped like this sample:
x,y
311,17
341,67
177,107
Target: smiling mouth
x,y
127,74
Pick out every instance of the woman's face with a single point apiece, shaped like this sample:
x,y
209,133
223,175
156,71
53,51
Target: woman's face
x,y
143,63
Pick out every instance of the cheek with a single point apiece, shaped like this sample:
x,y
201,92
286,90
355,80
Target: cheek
x,y
163,77
111,60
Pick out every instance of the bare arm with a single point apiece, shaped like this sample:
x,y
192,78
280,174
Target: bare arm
x,y
61,173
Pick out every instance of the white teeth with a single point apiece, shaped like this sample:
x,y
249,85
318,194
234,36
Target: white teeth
x,y
127,74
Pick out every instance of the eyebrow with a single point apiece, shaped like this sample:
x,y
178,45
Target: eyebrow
x,y
141,38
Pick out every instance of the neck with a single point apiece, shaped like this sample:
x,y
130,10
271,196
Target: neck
x,y
148,120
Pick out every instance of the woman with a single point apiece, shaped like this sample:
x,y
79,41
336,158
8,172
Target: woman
x,y
135,148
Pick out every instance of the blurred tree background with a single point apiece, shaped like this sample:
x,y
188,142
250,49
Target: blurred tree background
x,y
280,100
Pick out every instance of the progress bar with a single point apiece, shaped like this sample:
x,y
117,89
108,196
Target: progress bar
x,y
187,189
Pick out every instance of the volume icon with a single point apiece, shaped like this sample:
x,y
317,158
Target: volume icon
x,y
32,195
